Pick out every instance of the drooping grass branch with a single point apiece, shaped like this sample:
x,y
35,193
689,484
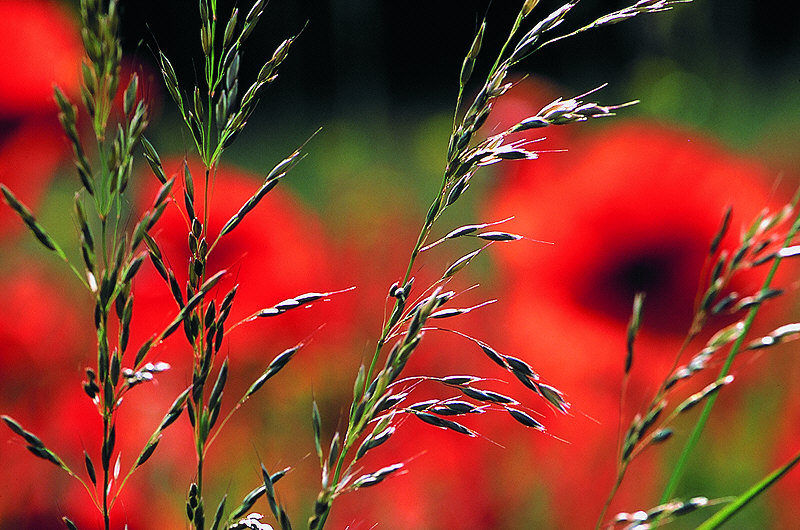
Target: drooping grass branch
x,y
379,394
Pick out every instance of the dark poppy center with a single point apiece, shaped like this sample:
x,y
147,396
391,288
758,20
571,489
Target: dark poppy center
x,y
8,127
666,273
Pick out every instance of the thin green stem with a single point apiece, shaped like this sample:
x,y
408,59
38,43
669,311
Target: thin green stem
x,y
680,467
514,29
223,422
103,240
205,200
200,462
565,36
423,235
610,497
106,519
199,443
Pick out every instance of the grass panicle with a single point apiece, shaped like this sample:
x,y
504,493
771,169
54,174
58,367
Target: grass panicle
x,y
767,235
110,253
405,327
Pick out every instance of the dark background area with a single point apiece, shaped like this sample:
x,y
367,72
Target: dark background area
x,y
390,55
381,77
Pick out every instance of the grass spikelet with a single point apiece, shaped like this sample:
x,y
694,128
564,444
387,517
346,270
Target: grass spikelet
x,y
27,218
372,479
709,390
525,419
782,334
555,397
281,360
442,423
460,263
633,329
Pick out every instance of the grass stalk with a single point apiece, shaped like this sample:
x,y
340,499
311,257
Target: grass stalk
x,y
680,467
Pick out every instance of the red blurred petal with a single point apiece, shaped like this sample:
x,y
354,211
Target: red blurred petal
x,y
630,208
41,46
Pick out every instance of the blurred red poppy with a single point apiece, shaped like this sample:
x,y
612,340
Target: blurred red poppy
x,y
630,208
41,47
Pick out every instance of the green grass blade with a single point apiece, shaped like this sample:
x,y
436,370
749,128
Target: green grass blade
x,y
740,502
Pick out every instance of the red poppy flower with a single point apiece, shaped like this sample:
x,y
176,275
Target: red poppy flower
x,y
41,47
630,208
